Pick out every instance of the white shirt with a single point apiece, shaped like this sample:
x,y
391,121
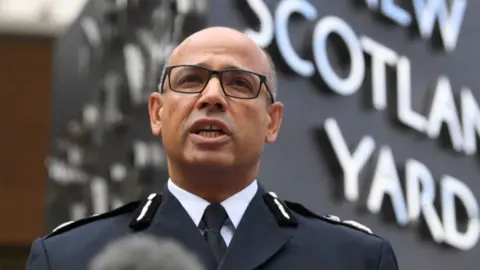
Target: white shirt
x,y
235,206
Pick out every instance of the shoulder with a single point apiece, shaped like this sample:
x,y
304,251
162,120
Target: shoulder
x,y
345,231
92,221
342,235
134,215
81,239
329,219
295,214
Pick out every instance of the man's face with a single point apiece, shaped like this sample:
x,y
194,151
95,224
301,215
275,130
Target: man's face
x,y
242,126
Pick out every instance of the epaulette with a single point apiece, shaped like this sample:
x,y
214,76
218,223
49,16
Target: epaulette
x,y
144,215
303,211
127,208
279,210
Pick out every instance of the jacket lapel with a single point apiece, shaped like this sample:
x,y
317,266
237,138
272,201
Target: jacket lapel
x,y
257,238
172,221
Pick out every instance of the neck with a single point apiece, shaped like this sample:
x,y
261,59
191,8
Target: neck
x,y
212,184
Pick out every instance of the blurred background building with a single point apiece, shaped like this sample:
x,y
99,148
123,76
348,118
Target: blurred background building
x,y
28,29
381,115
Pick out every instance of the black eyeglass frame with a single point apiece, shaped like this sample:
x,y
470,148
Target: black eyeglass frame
x,y
218,73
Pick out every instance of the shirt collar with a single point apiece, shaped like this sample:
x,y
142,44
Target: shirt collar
x,y
195,206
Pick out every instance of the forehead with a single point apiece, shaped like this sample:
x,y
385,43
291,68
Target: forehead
x,y
219,52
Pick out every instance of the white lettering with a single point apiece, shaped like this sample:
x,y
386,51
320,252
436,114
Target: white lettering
x,y
470,121
381,56
419,190
427,12
351,164
443,110
372,4
451,188
421,200
386,181
405,113
265,35
323,29
284,11
395,13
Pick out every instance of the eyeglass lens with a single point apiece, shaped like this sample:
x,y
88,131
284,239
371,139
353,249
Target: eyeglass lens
x,y
236,83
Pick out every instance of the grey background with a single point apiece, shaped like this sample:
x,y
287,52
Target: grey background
x,y
297,167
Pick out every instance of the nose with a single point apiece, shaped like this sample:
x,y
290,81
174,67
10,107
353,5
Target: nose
x,y
212,97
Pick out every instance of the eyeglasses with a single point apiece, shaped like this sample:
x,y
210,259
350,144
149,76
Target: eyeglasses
x,y
236,83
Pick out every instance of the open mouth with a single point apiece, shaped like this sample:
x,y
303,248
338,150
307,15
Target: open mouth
x,y
209,131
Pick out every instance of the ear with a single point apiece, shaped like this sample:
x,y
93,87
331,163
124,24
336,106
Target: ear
x,y
155,109
275,113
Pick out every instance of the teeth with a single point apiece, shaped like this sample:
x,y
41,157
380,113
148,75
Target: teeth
x,y
210,127
210,134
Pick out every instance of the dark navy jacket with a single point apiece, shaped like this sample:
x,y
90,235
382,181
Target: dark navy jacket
x,y
272,235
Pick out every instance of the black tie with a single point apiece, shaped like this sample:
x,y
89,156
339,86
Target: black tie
x,y
213,219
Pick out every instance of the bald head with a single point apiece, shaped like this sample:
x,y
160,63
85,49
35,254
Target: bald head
x,y
219,40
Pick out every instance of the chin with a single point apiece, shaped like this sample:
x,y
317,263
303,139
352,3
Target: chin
x,y
212,160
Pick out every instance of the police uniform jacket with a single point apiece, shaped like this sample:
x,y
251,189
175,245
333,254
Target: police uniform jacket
x,y
272,235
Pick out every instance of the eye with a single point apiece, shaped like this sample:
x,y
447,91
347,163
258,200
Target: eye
x,y
190,78
240,82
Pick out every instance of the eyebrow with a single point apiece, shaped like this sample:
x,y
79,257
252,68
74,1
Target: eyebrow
x,y
230,66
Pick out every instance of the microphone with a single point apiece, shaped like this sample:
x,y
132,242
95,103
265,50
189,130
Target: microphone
x,y
145,252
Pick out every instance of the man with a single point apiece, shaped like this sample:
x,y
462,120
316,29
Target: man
x,y
215,110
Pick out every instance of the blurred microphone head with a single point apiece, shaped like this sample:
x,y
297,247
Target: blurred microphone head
x,y
145,252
